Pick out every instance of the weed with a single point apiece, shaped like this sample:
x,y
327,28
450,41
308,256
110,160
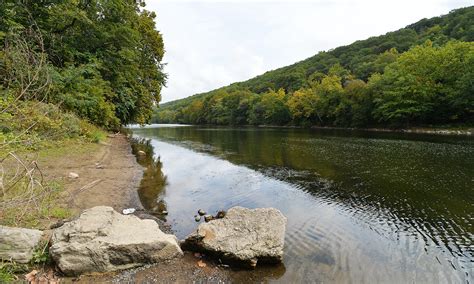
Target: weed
x,y
41,253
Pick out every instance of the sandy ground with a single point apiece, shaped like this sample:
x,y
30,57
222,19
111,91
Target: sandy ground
x,y
108,175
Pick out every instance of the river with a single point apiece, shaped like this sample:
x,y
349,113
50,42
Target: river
x,y
362,207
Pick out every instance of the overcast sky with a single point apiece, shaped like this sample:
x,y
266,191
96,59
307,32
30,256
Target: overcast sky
x,y
210,44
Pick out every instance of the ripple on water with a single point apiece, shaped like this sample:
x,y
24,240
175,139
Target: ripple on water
x,y
359,209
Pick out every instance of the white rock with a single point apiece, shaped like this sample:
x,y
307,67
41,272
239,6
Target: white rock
x,y
141,153
102,239
18,244
244,236
73,175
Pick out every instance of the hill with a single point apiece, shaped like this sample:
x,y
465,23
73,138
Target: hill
x,y
421,74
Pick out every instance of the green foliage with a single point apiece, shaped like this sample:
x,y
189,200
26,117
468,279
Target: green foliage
x,y
419,75
8,271
41,253
60,213
100,59
31,125
428,84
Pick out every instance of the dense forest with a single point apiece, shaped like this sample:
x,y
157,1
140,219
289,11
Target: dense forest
x,y
422,74
94,59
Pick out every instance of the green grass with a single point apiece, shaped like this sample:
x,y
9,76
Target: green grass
x,y
60,213
34,214
9,269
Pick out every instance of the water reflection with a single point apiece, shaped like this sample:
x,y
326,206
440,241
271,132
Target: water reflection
x,y
361,206
152,186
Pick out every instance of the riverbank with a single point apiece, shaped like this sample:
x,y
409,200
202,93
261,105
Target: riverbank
x,y
460,131
105,173
454,131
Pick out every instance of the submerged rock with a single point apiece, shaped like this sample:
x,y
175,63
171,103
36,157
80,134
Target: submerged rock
x,y
18,244
102,239
220,214
201,212
243,236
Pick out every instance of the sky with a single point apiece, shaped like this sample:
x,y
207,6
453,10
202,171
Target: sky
x,y
210,43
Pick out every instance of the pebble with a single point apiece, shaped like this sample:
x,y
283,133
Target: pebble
x,y
73,175
197,218
201,212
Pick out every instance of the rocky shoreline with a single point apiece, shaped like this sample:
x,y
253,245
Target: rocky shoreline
x,y
102,240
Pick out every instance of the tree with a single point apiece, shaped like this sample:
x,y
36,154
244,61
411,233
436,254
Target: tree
x,y
426,84
113,45
274,107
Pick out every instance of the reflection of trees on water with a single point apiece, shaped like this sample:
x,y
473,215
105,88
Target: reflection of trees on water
x,y
414,183
152,185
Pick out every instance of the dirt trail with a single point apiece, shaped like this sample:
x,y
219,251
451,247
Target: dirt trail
x,y
108,175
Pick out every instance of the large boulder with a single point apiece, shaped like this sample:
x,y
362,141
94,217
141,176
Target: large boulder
x,y
18,244
102,239
243,237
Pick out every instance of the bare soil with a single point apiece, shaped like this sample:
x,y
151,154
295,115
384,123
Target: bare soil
x,y
108,174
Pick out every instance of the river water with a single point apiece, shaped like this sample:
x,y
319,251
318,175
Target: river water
x,y
362,207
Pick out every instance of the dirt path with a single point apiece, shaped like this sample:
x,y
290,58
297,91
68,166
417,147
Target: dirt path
x,y
108,175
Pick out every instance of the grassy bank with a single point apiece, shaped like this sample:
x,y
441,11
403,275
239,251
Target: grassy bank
x,y
32,132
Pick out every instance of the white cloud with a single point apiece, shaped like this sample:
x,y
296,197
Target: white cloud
x,y
210,44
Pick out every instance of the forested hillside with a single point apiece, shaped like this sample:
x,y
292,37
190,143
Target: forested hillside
x,y
99,60
422,74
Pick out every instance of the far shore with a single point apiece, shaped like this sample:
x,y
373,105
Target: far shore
x,y
455,131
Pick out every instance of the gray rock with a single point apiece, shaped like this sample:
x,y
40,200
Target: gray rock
x,y
102,239
18,244
243,236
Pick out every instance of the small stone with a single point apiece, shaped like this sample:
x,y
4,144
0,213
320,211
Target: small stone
x,y
201,263
164,212
197,218
208,218
73,175
141,153
253,263
220,214
201,212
